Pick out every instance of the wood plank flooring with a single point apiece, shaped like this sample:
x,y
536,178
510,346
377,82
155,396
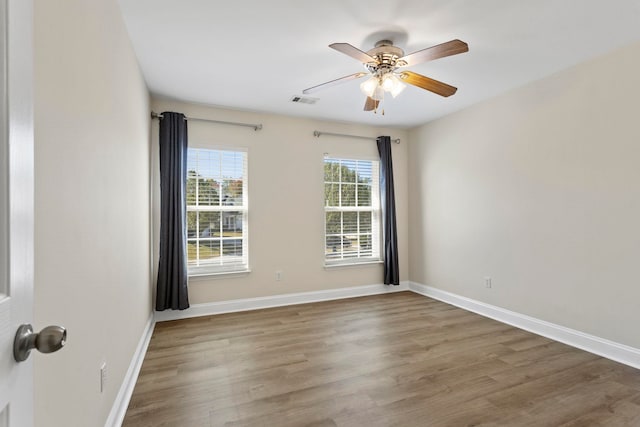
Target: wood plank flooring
x,y
390,360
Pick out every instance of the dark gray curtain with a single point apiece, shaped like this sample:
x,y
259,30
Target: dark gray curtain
x,y
388,204
172,269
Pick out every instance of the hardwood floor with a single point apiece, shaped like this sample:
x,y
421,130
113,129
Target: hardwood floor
x,y
390,360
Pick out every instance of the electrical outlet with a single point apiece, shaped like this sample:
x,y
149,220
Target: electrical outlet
x,y
278,275
487,282
103,376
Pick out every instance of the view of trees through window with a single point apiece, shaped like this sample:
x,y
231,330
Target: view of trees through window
x,y
216,212
351,209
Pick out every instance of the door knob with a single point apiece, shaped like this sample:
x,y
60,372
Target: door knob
x,y
48,340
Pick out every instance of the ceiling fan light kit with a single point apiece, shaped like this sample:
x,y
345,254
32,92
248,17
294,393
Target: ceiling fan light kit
x,y
382,63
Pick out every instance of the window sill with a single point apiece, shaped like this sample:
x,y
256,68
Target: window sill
x,y
217,274
352,264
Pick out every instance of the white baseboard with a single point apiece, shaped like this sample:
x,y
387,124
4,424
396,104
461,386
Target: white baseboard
x,y
246,304
119,408
600,346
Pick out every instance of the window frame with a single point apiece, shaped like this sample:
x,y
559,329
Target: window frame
x,y
375,209
211,269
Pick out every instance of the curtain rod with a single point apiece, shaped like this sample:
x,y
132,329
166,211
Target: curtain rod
x,y
317,134
257,127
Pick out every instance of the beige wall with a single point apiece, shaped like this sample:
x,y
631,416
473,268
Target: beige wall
x,y
286,227
540,190
92,271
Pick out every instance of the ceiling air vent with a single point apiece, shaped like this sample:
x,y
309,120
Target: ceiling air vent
x,y
303,99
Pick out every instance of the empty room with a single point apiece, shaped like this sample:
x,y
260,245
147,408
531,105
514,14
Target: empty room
x,y
337,213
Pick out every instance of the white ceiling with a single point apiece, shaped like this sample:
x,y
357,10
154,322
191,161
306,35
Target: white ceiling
x,y
255,55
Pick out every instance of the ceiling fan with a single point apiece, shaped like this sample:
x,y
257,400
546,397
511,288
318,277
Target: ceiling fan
x,y
384,64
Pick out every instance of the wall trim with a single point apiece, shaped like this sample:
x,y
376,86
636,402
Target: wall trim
x,y
602,347
246,304
120,405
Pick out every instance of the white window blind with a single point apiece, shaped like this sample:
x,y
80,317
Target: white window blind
x,y
352,211
216,195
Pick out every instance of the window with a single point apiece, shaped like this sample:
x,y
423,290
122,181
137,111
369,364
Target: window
x,y
216,211
352,211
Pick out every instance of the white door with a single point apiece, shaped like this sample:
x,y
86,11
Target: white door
x,y
16,206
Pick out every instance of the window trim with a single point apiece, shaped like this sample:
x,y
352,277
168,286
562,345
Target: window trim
x,y
196,271
376,217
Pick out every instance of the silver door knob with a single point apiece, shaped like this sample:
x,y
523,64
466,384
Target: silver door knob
x,y
48,340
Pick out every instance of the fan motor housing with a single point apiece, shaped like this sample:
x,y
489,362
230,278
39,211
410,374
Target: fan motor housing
x,y
386,54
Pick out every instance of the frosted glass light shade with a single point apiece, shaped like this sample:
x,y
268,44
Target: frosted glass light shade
x,y
391,83
399,87
378,94
369,87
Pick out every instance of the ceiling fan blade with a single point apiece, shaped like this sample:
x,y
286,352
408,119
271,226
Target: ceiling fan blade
x,y
353,52
452,47
370,104
424,82
334,82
